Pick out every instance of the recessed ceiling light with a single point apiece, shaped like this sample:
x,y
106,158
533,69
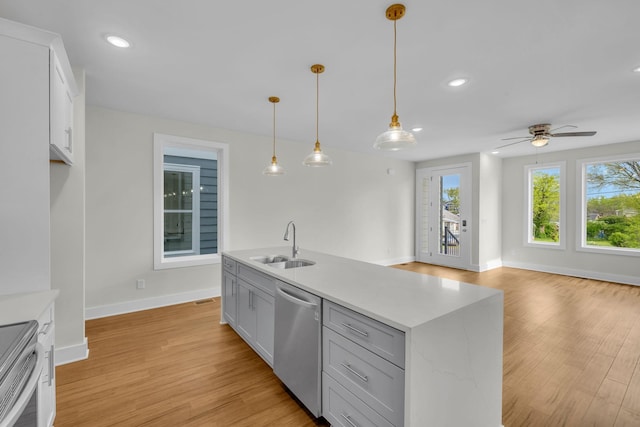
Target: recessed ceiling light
x,y
495,152
636,70
118,41
457,82
416,129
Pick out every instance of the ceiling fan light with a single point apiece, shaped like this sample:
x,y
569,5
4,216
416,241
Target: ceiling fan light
x,y
539,141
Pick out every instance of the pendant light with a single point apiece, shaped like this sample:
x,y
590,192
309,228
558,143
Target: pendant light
x,y
395,138
317,158
274,169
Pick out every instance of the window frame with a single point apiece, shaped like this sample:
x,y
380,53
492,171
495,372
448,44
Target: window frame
x,y
161,142
581,180
195,219
528,203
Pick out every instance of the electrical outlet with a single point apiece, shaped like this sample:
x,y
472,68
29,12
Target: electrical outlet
x,y
140,284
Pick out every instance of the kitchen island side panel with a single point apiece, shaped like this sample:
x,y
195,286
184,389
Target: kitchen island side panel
x,y
454,368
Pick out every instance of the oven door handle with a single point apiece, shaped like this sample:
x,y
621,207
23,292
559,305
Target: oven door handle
x,y
15,412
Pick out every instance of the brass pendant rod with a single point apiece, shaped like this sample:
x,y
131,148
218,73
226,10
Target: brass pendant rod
x,y
395,113
274,130
317,104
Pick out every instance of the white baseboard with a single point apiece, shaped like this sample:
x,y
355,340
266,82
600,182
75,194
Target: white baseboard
x,y
496,263
72,353
596,275
394,261
148,303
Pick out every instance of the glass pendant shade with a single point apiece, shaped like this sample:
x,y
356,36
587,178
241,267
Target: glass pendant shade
x,y
394,139
273,169
317,158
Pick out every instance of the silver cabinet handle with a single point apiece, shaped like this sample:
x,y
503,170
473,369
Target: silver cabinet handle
x,y
348,419
233,287
69,132
356,330
52,365
357,374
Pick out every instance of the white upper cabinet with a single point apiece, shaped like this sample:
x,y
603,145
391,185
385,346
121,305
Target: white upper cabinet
x,y
60,112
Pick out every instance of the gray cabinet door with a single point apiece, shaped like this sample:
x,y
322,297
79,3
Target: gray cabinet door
x,y
229,298
246,316
255,318
264,306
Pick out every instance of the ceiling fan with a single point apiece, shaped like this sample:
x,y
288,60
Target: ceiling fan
x,y
541,133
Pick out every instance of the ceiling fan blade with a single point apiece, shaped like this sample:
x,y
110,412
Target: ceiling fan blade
x,y
574,134
513,143
516,137
562,127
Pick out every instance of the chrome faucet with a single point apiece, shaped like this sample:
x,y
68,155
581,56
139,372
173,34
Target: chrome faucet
x,y
294,250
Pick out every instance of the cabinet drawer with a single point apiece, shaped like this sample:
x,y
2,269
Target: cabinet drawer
x,y
229,265
257,279
342,409
376,381
382,339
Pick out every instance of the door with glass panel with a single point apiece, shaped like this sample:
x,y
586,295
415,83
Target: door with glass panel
x,y
443,229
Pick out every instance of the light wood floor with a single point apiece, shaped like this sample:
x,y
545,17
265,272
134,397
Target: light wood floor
x,y
571,358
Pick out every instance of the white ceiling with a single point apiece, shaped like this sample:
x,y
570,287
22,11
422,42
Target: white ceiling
x,y
213,62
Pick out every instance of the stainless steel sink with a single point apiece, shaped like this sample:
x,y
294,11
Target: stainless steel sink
x,y
292,263
281,261
269,259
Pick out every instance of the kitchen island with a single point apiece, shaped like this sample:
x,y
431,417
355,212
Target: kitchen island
x,y
451,332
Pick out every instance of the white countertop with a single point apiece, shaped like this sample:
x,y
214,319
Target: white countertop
x,y
399,298
16,308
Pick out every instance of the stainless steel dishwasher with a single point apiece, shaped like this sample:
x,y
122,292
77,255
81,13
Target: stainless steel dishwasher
x,y
296,356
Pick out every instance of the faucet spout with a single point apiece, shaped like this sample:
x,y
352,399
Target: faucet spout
x,y
294,250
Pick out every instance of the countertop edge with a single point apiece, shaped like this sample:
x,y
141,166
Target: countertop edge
x,y
21,307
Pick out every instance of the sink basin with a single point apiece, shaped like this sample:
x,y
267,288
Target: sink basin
x,y
269,259
292,263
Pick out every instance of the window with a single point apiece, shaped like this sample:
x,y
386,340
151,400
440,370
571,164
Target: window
x,y
545,205
190,193
610,215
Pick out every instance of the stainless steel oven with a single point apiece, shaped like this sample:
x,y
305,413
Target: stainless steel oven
x,y
21,363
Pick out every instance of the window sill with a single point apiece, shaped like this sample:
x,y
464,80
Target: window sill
x,y
186,261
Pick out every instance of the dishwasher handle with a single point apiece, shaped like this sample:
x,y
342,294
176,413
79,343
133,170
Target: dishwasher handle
x,y
295,299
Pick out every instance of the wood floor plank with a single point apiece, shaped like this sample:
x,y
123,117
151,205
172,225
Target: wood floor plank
x,y
571,358
604,407
631,401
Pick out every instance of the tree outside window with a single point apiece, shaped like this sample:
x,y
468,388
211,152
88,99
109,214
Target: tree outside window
x,y
545,205
612,205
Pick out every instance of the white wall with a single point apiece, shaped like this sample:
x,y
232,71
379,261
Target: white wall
x,y
353,209
67,184
24,166
489,212
569,261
